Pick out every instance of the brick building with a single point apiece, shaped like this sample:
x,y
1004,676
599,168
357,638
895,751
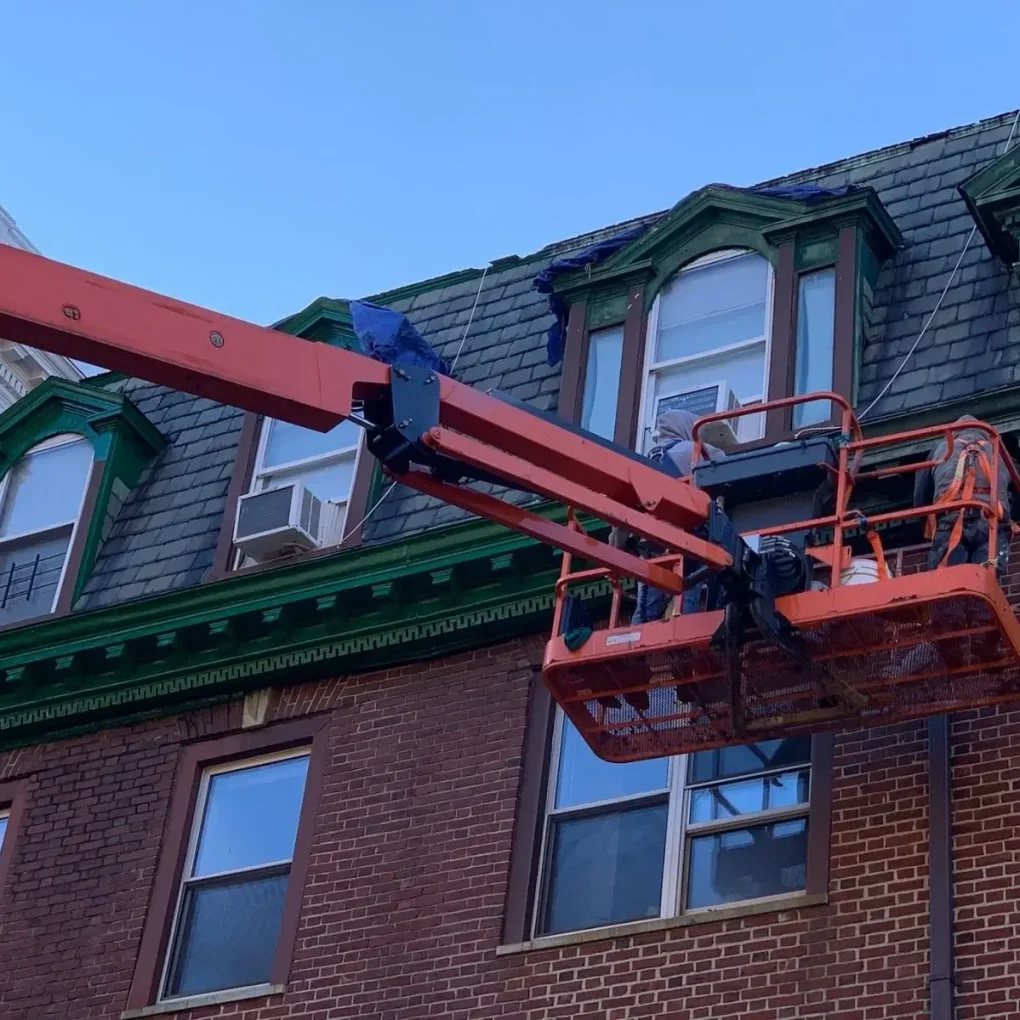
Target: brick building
x,y
331,784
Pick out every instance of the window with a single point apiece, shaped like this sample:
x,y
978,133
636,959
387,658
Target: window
x,y
229,909
813,359
325,462
40,504
658,838
708,341
602,381
5,814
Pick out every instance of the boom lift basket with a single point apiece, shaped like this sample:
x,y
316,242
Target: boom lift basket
x,y
911,643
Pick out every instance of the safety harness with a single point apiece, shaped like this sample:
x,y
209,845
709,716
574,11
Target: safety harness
x,y
966,486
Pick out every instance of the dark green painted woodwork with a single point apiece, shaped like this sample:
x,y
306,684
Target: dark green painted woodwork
x,y
123,442
993,198
464,587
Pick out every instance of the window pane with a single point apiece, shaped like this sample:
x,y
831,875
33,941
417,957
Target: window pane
x,y
331,482
816,322
711,307
765,793
584,778
30,571
287,443
602,381
46,488
3,828
707,766
228,935
605,869
251,816
746,864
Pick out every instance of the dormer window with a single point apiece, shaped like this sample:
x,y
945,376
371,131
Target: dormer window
x,y
733,297
324,462
708,339
40,507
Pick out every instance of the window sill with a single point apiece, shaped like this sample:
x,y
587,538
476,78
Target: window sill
x,y
708,916
208,999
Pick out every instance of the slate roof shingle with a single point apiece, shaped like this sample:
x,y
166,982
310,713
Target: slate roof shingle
x,y
165,533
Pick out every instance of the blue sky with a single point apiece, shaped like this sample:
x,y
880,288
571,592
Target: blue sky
x,y
253,155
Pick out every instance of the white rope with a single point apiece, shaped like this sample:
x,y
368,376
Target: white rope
x,y
375,506
942,296
471,318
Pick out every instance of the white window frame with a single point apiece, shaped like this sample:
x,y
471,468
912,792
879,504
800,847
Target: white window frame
x,y
197,818
260,481
652,367
679,832
64,439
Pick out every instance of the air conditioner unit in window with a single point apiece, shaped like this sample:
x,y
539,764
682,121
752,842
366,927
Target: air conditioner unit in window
x,y
278,521
706,400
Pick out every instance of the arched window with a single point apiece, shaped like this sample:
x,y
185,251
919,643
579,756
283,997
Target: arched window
x,y
708,340
40,505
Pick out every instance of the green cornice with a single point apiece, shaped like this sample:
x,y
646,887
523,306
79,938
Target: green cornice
x,y
466,586
993,198
861,208
718,217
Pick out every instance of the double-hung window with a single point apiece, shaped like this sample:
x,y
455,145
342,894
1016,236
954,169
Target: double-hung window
x,y
230,904
40,503
324,462
708,342
665,837
602,381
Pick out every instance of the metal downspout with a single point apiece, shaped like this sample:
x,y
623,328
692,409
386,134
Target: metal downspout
x,y
940,870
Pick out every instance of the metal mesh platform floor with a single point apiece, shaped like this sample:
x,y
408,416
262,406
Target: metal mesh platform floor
x,y
912,646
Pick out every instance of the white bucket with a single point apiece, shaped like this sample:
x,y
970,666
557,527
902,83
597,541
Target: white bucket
x,y
860,571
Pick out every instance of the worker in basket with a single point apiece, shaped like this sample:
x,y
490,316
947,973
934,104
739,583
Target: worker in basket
x,y
673,452
964,471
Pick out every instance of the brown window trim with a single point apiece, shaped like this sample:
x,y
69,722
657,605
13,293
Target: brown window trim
x,y
195,758
240,482
13,795
779,425
522,882
575,364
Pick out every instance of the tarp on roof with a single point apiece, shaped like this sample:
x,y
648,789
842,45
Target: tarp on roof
x,y
388,336
801,192
591,256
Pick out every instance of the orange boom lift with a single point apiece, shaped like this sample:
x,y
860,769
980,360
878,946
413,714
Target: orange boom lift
x,y
764,665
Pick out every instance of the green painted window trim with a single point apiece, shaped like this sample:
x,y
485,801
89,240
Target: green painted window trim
x,y
718,217
123,442
993,198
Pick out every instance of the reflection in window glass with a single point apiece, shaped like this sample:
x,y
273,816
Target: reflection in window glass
x,y
40,500
602,381
737,760
3,829
816,323
747,796
713,306
747,864
45,489
605,868
583,778
289,443
232,896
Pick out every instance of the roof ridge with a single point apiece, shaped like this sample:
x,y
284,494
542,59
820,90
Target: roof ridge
x,y
888,151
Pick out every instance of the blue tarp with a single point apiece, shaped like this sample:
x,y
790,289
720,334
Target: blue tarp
x,y
591,256
801,192
388,336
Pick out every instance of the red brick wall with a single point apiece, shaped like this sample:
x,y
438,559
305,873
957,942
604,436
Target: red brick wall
x,y
404,898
